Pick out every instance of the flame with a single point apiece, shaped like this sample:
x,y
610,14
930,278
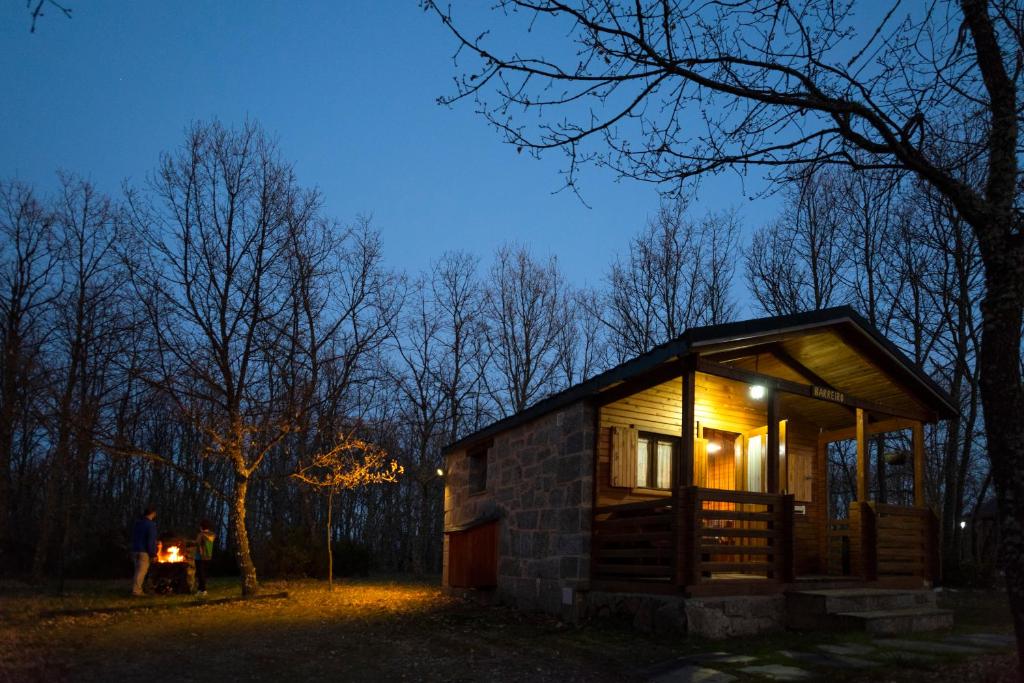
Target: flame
x,y
171,553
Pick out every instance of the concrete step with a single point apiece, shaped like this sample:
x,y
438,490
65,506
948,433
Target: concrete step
x,y
896,621
815,609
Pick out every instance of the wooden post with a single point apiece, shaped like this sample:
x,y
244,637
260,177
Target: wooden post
x,y
685,477
773,442
682,489
918,439
863,481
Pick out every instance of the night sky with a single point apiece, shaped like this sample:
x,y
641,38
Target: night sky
x,y
349,89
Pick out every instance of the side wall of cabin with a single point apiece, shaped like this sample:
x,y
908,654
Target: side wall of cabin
x,y
539,485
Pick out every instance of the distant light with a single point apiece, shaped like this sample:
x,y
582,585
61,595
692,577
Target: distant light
x,y
757,391
963,524
714,447
440,472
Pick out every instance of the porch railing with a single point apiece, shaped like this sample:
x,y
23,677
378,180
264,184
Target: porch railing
x,y
735,535
890,542
634,542
698,536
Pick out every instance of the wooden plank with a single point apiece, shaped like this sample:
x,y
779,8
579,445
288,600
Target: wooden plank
x,y
745,497
725,549
738,516
737,567
737,533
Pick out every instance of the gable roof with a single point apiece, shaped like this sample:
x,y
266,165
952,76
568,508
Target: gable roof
x,y
742,332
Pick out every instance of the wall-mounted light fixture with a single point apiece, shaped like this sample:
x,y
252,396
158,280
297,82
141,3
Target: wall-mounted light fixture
x,y
714,446
757,391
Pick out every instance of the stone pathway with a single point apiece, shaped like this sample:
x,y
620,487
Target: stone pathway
x,y
706,667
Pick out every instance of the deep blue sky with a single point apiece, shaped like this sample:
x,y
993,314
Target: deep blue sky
x,y
349,89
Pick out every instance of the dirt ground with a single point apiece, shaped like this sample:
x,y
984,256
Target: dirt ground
x,y
372,631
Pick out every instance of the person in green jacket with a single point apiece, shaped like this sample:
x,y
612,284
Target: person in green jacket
x,y
204,551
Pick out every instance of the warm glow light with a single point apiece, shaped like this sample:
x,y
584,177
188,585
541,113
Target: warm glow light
x,y
714,447
440,472
756,391
171,553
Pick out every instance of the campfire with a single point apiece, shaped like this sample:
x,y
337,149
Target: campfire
x,y
171,553
174,570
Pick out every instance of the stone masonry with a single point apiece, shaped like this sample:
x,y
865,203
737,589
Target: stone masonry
x,y
540,487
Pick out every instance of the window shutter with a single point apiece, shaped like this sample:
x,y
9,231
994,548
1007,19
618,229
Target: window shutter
x,y
624,456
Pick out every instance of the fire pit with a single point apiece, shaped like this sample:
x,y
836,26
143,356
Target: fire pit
x,y
174,570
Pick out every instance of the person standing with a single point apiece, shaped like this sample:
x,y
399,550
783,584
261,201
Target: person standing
x,y
143,547
204,552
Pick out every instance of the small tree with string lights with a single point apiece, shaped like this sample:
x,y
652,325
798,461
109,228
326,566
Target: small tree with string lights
x,y
350,463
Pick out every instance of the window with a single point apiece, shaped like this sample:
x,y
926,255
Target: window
x,y
654,456
478,470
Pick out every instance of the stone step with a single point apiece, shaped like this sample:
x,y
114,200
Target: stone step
x,y
836,600
814,609
896,621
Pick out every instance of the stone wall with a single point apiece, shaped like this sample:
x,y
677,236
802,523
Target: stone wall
x,y
540,485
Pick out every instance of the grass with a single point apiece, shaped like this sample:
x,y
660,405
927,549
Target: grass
x,y
371,630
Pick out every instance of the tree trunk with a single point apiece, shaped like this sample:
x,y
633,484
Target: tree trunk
x,y
246,568
330,548
1002,396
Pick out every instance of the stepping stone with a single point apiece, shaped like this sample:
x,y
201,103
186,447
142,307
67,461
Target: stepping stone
x,y
778,672
693,674
846,648
991,640
928,647
904,657
833,661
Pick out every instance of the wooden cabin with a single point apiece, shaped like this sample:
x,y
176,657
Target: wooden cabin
x,y
699,469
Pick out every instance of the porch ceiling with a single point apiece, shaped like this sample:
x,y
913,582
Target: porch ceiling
x,y
830,358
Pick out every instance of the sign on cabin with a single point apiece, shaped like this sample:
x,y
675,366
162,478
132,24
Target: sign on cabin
x,y
827,394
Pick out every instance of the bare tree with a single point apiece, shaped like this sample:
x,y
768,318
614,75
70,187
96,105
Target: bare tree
x,y
86,325
783,84
27,287
796,263
676,275
523,306
216,288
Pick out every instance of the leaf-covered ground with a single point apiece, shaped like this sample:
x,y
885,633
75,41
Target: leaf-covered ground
x,y
366,631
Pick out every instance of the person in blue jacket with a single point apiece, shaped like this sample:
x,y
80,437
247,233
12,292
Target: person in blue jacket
x,y
143,547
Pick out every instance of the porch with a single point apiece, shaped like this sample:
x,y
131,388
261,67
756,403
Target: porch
x,y
744,506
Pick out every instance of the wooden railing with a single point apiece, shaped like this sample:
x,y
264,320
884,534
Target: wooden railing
x,y
698,536
903,541
634,542
837,548
889,542
734,535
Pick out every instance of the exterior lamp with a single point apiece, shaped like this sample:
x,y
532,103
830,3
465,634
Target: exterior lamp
x,y
963,524
440,472
757,391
